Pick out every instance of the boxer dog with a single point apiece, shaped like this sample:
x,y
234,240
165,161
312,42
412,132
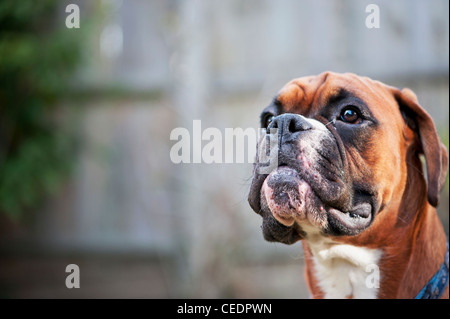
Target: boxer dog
x,y
350,185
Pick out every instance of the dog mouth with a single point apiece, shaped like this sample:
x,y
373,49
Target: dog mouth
x,y
286,194
289,199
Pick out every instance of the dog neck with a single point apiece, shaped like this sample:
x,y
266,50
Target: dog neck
x,y
406,248
340,270
428,249
421,243
399,269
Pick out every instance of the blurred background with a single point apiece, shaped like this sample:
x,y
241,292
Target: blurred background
x,y
85,119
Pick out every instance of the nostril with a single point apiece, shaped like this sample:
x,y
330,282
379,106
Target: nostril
x,y
297,124
288,124
273,125
292,127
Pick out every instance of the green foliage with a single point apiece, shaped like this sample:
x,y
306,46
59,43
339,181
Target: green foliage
x,y
38,54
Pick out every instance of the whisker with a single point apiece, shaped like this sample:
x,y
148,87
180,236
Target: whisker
x,y
332,121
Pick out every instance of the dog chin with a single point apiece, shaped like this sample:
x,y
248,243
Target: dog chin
x,y
293,203
290,199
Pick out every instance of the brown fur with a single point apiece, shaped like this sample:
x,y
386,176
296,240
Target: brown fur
x,y
407,229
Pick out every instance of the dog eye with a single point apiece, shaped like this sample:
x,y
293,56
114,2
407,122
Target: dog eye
x,y
350,115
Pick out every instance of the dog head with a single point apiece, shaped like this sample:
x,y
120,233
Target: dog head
x,y
343,146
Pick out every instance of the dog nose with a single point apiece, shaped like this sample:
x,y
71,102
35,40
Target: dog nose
x,y
289,123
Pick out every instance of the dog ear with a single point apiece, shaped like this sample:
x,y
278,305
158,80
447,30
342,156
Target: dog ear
x,y
435,153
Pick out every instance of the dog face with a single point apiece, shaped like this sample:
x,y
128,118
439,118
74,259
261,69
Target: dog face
x,y
339,136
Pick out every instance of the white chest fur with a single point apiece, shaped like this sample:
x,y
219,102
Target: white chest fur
x,y
346,271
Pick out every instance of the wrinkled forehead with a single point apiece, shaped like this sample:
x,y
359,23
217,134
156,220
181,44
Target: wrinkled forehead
x,y
307,95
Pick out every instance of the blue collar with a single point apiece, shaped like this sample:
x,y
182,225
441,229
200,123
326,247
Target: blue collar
x,y
436,286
